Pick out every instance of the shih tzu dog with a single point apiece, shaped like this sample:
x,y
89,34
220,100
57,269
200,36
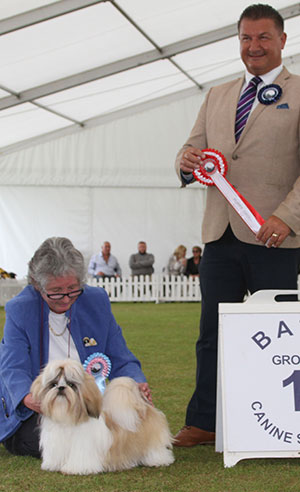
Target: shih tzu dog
x,y
84,432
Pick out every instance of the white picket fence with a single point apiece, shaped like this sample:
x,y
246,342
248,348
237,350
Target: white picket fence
x,y
157,288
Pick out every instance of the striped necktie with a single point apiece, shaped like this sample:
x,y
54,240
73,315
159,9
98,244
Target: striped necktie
x,y
244,106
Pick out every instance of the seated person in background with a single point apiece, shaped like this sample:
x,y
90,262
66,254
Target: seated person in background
x,y
104,264
193,263
177,262
141,263
56,317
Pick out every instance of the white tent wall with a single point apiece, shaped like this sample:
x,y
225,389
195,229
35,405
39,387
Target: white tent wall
x,y
89,216
113,182
135,150
30,214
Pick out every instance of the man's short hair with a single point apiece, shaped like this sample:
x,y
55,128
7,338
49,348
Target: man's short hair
x,y
262,11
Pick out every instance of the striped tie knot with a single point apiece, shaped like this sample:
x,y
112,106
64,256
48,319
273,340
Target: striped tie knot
x,y
244,106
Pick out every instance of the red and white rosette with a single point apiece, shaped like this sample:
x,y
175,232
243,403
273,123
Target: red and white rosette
x,y
212,171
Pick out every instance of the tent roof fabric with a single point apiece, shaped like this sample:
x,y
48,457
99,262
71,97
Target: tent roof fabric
x,y
71,64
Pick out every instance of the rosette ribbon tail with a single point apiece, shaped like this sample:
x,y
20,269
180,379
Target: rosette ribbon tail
x,y
212,172
249,215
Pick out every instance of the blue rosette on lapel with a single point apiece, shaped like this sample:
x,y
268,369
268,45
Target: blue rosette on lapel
x,y
99,366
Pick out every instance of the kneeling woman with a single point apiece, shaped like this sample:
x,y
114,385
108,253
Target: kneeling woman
x,y
57,316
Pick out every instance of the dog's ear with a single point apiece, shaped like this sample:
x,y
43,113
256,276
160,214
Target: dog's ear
x,y
36,388
92,396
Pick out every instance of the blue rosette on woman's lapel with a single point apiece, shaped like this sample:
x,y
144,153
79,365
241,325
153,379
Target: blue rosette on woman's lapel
x,y
99,366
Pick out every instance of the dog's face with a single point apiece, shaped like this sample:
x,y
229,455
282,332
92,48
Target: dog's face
x,y
67,393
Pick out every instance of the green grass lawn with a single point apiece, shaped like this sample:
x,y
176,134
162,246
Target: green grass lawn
x,y
163,337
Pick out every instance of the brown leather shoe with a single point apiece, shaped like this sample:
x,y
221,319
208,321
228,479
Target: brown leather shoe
x,y
190,436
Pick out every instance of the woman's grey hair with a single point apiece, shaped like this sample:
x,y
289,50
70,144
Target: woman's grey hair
x,y
56,257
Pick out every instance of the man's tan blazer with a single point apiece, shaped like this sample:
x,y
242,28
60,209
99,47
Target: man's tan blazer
x,y
264,165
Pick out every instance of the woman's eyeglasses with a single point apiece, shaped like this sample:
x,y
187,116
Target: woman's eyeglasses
x,y
71,295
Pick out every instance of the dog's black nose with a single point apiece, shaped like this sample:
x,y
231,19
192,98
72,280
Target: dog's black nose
x,y
61,388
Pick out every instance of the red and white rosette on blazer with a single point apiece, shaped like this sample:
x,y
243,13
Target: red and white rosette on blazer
x,y
212,171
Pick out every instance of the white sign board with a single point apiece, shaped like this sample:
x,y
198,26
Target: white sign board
x,y
259,378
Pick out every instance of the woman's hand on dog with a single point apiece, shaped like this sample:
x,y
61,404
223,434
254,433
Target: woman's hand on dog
x,y
146,392
29,402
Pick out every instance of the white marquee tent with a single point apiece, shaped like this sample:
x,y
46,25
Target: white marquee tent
x,y
96,97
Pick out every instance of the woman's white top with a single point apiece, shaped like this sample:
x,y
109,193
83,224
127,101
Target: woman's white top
x,y
61,345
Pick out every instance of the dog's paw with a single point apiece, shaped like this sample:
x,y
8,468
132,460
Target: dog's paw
x,y
49,467
158,457
70,470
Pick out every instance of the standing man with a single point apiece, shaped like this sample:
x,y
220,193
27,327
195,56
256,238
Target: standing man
x,y
141,263
264,165
104,264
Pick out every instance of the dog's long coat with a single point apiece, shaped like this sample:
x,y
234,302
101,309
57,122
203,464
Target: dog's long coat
x,y
83,432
